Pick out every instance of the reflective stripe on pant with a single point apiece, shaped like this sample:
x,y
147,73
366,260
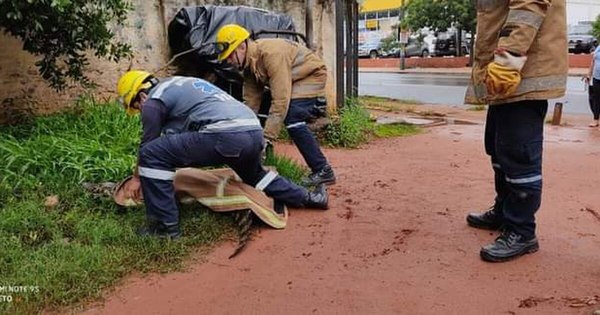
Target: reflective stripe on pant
x,y
299,112
514,140
239,150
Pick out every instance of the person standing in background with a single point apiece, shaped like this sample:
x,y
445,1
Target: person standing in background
x,y
592,79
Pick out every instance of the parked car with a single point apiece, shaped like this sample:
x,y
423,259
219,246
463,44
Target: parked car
x,y
414,48
371,50
580,43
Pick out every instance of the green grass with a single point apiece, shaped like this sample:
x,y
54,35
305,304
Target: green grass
x,y
396,130
286,167
378,99
351,128
83,245
477,108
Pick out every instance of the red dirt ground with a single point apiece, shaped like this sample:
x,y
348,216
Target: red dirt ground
x,y
395,240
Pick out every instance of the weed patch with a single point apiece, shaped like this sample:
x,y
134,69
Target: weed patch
x,y
351,128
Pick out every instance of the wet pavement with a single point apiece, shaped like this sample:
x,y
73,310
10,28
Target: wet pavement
x,y
449,89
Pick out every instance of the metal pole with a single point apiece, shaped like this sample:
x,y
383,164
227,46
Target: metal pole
x,y
557,114
355,49
400,30
402,56
309,23
349,49
339,53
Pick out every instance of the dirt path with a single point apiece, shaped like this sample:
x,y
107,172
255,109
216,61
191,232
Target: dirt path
x,y
395,241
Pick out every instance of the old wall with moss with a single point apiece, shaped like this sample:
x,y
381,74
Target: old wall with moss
x,y
146,31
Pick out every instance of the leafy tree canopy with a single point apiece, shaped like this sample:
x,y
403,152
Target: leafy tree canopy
x,y
596,27
439,15
62,31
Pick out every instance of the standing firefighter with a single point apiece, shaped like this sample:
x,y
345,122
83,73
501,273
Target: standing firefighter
x,y
296,78
200,126
520,63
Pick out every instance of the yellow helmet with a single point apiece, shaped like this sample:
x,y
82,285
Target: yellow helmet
x,y
232,35
130,84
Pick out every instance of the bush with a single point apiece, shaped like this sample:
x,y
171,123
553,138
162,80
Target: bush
x,y
63,31
351,128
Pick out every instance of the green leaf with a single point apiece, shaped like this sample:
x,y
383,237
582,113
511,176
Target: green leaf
x,y
63,31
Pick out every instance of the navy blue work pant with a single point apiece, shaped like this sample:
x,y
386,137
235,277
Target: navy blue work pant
x,y
241,151
513,139
299,113
594,98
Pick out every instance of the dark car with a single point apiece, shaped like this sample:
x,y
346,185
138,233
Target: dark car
x,y
579,43
445,45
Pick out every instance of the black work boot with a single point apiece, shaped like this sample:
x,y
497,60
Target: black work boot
x,y
509,245
488,220
317,198
161,230
323,176
279,207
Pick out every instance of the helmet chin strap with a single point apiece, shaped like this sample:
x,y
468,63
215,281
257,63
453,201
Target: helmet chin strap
x,y
237,58
240,66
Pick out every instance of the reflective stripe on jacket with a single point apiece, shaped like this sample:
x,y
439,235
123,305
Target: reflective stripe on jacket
x,y
533,28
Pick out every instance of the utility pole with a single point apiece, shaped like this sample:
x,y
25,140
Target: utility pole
x,y
339,53
355,9
402,37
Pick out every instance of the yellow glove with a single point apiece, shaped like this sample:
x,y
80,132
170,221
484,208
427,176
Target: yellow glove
x,y
504,74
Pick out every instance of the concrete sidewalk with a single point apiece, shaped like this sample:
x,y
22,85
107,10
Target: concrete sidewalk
x,y
578,72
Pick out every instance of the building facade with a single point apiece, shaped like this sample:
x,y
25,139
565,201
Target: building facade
x,y
377,19
582,11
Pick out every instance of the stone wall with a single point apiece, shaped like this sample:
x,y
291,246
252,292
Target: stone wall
x,y
146,31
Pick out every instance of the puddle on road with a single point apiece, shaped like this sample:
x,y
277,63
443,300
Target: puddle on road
x,y
463,128
572,135
423,121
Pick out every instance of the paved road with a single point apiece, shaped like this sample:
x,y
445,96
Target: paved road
x,y
449,89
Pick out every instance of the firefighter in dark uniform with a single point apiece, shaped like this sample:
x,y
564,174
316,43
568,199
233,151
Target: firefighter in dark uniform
x,y
190,122
520,62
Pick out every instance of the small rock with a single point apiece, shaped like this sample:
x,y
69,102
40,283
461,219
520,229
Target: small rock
x,y
51,201
597,312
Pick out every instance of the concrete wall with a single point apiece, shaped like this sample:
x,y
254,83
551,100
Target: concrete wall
x,y
146,32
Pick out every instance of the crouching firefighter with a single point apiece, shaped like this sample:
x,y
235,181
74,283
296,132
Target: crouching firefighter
x,y
190,122
296,78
